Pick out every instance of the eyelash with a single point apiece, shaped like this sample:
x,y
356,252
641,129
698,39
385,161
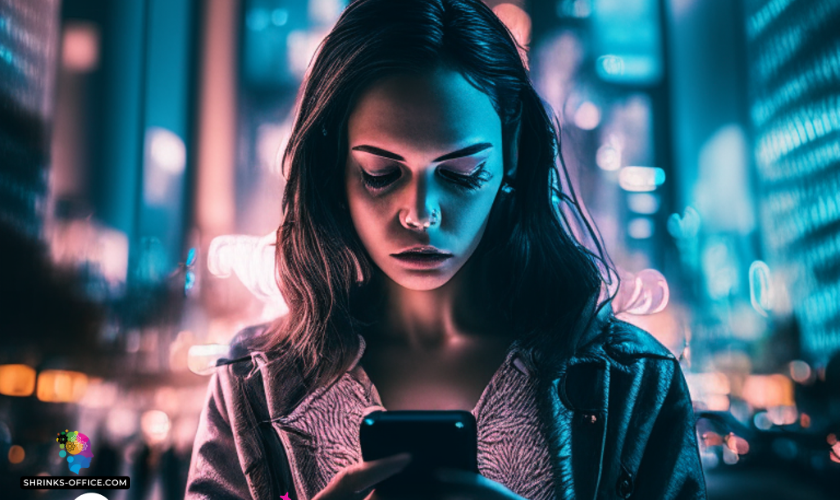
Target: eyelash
x,y
469,182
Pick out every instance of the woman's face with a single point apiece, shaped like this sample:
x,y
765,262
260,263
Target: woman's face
x,y
424,165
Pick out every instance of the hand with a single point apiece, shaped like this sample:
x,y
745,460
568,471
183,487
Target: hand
x,y
355,481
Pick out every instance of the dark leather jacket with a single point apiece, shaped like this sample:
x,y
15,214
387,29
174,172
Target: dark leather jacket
x,y
619,424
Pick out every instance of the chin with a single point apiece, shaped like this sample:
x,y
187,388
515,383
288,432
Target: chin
x,y
421,281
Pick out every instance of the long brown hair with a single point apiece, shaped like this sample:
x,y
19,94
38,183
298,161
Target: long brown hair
x,y
537,274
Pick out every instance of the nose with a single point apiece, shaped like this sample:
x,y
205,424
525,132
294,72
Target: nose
x,y
421,211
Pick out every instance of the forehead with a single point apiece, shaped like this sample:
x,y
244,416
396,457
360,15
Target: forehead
x,y
428,111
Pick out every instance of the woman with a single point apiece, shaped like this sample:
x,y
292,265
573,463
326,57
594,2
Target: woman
x,y
427,265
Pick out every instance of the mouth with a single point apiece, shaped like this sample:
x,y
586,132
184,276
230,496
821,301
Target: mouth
x,y
422,257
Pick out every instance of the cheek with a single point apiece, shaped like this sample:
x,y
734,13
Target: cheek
x,y
472,214
368,215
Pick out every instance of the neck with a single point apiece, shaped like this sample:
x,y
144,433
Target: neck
x,y
433,318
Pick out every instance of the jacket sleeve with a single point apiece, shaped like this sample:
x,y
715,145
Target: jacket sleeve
x,y
215,471
670,467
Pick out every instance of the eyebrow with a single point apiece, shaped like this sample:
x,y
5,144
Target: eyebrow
x,y
467,151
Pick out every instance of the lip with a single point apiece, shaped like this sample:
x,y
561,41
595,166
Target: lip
x,y
422,257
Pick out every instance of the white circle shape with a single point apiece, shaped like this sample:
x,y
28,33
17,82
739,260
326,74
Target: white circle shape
x,y
91,496
167,150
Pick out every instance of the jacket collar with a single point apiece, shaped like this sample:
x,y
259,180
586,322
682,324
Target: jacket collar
x,y
284,386
285,389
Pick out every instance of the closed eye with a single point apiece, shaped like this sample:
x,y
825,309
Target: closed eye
x,y
380,181
470,181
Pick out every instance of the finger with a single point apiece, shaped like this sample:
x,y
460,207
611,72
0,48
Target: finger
x,y
368,474
469,482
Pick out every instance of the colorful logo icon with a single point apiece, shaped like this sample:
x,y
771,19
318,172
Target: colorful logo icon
x,y
77,448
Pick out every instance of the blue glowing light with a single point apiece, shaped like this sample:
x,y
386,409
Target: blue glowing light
x,y
761,288
257,19
795,71
762,18
189,281
781,48
808,123
822,72
686,226
6,54
610,65
574,8
279,17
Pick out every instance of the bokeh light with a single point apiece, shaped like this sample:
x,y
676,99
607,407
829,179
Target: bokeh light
x,y
61,386
641,178
16,454
17,380
155,425
142,162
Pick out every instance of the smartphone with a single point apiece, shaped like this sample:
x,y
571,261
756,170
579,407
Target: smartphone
x,y
440,438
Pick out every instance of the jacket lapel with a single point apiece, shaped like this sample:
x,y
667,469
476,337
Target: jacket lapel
x,y
576,430
574,406
286,399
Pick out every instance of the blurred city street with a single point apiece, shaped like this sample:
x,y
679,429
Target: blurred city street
x,y
142,178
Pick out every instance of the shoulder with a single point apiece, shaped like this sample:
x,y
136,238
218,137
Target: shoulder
x,y
627,348
249,342
606,336
636,355
242,344
235,367
624,342
622,356
257,371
